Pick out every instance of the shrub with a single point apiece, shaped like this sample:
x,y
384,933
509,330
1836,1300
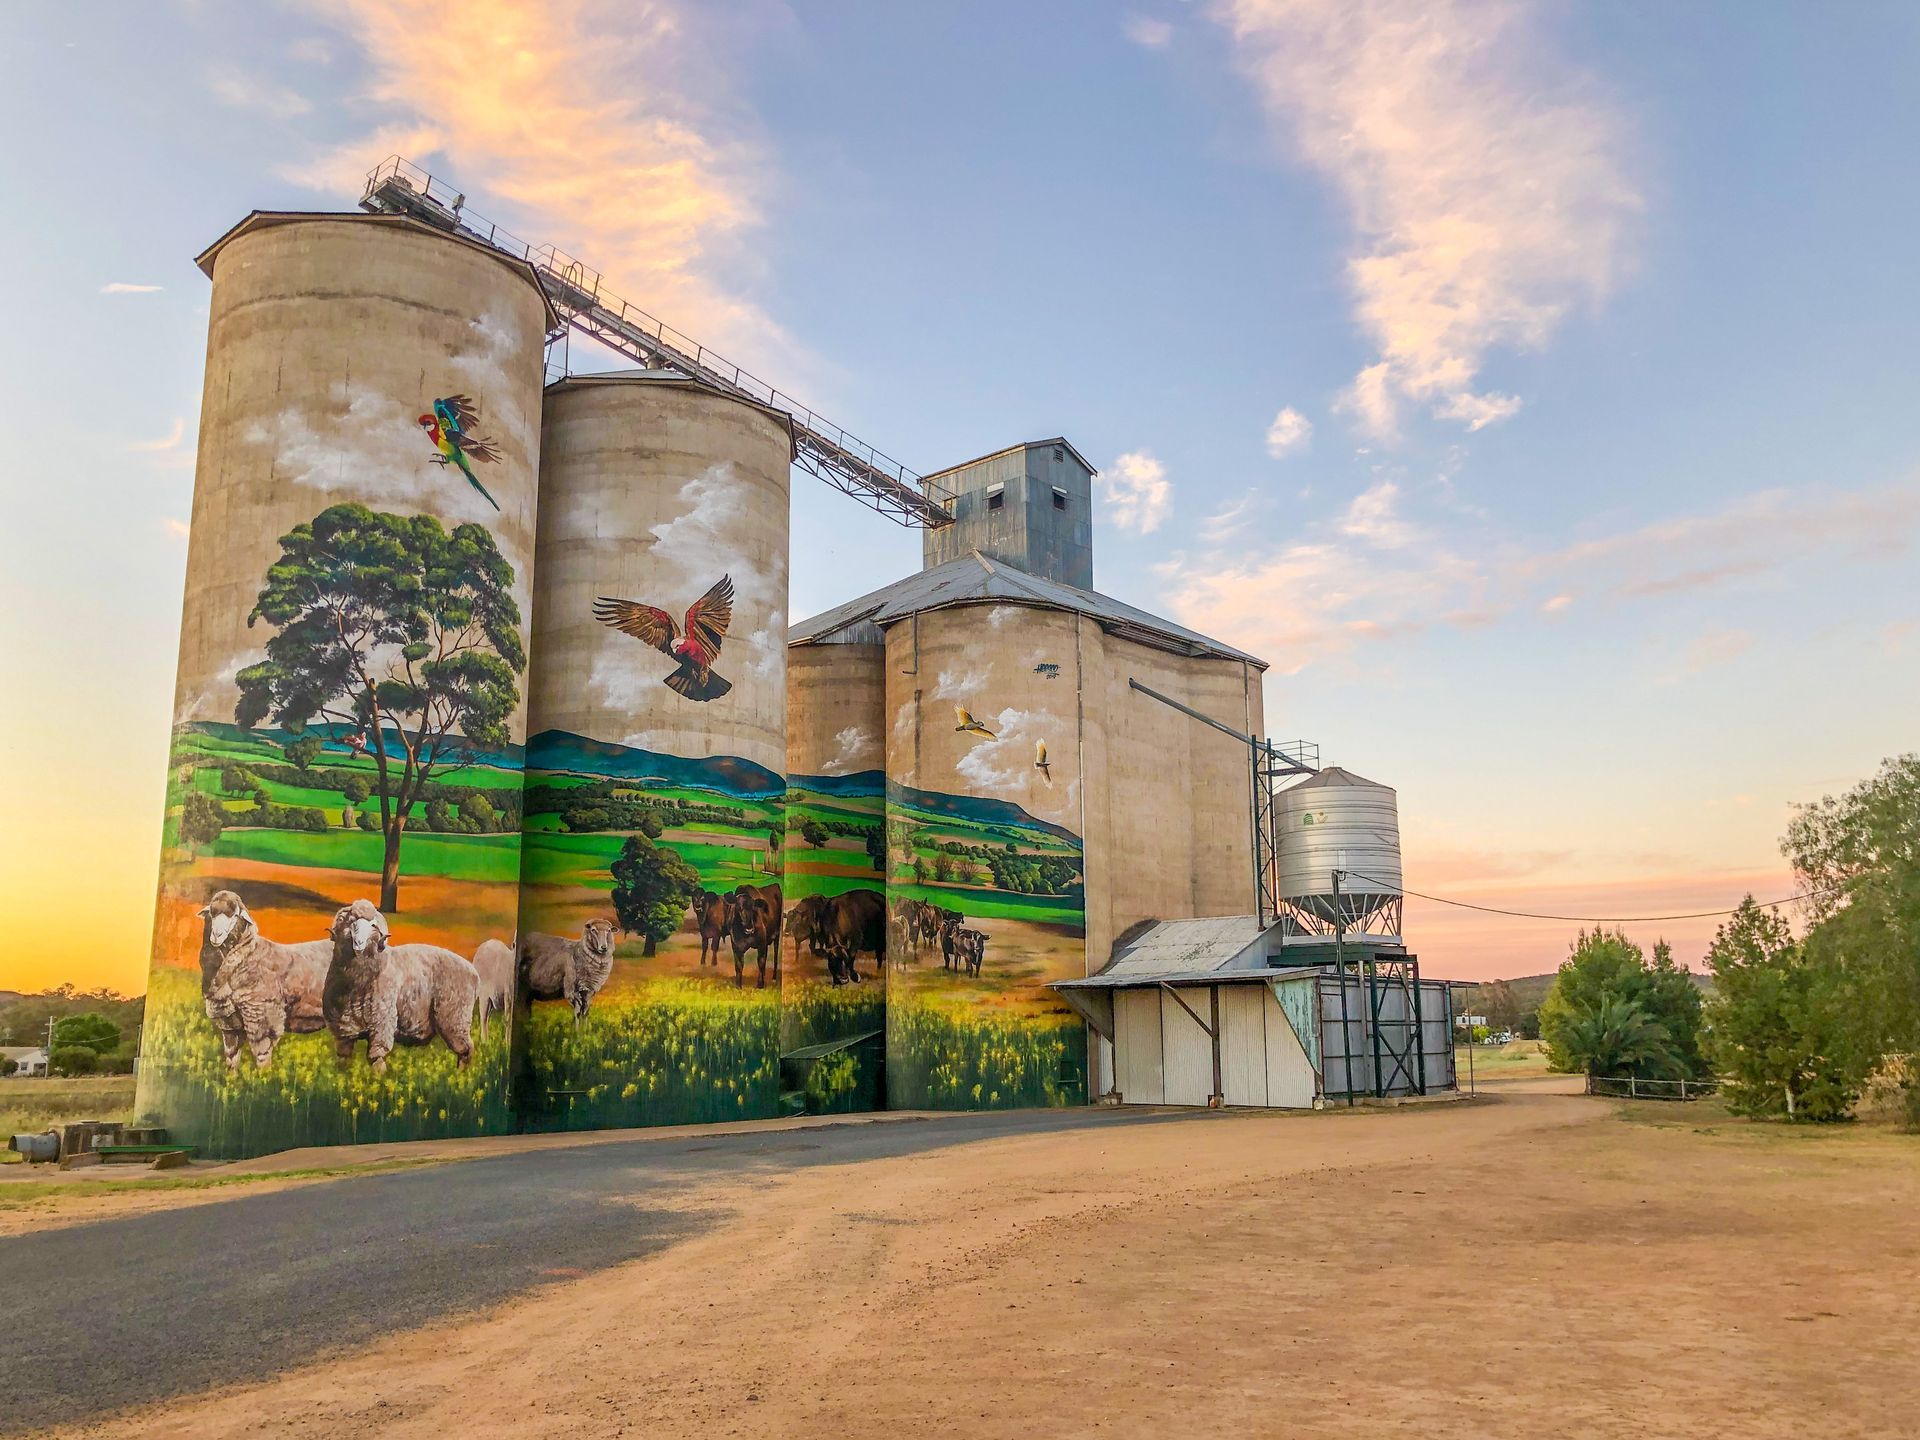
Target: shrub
x,y
74,1060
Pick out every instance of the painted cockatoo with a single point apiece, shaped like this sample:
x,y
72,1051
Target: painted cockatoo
x,y
1040,761
450,428
968,724
696,649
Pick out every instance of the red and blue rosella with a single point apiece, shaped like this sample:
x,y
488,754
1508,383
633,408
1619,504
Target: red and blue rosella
x,y
450,428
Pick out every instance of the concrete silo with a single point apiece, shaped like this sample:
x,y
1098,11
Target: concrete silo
x,y
987,861
352,660
651,905
833,981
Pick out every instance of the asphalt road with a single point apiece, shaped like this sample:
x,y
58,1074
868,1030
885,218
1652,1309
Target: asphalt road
x,y
119,1313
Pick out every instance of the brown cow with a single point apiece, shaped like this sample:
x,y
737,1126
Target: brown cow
x,y
754,915
803,923
710,914
851,923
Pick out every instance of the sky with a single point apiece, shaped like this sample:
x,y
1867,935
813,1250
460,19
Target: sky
x,y
1533,384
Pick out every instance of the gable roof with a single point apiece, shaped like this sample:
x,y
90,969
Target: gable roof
x,y
974,579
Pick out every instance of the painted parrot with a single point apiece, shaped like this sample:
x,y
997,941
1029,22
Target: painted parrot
x,y
450,428
696,650
968,723
1040,761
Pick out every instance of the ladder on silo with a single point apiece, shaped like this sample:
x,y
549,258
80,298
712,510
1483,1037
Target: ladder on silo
x,y
583,303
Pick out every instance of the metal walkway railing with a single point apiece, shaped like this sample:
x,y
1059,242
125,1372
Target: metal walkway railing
x,y
849,464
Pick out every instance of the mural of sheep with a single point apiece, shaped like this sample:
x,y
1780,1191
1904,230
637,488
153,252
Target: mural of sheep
x,y
255,989
494,962
386,993
553,967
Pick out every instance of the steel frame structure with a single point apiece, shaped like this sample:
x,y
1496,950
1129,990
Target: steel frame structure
x,y
1392,1052
578,295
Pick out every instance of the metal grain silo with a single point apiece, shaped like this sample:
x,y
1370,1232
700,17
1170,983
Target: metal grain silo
x,y
369,440
656,767
1338,821
833,979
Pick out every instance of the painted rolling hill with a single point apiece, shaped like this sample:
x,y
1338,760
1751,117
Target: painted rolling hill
x,y
973,808
561,750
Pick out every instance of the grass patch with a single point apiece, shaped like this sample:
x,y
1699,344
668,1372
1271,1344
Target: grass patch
x,y
27,1197
29,1106
491,858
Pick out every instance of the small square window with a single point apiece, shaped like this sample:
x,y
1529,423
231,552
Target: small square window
x,y
996,499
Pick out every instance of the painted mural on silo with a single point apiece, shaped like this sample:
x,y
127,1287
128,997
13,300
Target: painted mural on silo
x,y
650,904
986,881
833,979
338,877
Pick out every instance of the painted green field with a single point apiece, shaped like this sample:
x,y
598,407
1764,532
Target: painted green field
x,y
454,857
979,902
563,858
945,1058
670,1052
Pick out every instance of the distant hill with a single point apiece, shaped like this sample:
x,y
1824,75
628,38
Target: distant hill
x,y
1530,990
978,810
862,784
507,758
728,774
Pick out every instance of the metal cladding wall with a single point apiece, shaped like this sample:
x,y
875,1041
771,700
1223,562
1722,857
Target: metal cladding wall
x,y
650,904
833,980
348,716
986,866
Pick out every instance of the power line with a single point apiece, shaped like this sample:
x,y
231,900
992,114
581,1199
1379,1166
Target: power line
x,y
1587,919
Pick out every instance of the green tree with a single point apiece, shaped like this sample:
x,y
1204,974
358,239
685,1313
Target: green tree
x,y
201,819
302,752
355,789
479,812
91,1029
652,886
877,848
1615,1036
390,627
1605,965
652,826
1859,853
1497,1001
1780,1023
814,833
73,1060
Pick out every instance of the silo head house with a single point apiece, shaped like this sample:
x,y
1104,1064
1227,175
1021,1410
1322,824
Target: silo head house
x,y
505,794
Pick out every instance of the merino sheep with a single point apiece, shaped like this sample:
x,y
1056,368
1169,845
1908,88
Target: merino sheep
x,y
385,993
494,962
553,967
255,990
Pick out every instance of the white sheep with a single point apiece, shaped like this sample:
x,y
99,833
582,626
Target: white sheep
x,y
553,967
255,989
494,961
386,993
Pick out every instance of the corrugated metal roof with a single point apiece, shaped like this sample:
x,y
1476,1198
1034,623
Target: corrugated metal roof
x,y
974,579
1334,775
1009,449
1167,952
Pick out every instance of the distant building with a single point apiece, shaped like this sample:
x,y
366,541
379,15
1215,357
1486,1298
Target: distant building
x,y
27,1059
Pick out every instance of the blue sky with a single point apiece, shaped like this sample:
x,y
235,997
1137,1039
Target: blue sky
x,y
1661,256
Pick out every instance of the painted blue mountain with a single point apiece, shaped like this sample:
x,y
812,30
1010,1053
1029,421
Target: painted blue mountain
x,y
974,808
577,755
862,784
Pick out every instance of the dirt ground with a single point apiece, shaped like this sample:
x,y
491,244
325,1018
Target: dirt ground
x,y
1533,1263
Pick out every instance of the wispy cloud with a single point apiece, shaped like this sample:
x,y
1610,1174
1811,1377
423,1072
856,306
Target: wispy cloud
x,y
169,441
1232,518
1484,177
1289,433
1137,492
1147,33
599,122
125,287
1372,573
256,93
176,529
